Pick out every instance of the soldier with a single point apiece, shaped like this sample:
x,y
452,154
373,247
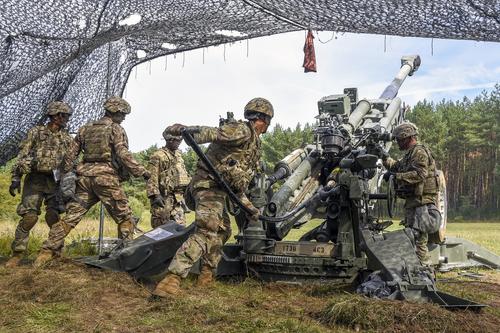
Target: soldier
x,y
106,162
40,157
417,182
235,151
168,182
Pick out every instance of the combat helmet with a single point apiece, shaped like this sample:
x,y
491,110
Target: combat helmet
x,y
56,107
258,105
405,130
117,104
169,137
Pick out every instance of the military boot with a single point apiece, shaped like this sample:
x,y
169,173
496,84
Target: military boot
x,y
43,257
126,230
169,286
14,260
206,277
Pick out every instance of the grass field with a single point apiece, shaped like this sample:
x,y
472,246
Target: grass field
x,y
67,297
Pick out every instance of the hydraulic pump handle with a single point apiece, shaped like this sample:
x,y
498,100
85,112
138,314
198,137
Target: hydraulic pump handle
x,y
188,138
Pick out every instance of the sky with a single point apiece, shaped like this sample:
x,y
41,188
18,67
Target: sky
x,y
196,87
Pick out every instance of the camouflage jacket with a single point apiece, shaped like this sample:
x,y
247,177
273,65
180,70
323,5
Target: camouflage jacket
x,y
416,178
168,173
235,151
110,142
42,151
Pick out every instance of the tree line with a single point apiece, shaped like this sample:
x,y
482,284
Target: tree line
x,y
464,136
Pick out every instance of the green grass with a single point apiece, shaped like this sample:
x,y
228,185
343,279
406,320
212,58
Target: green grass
x,y
483,233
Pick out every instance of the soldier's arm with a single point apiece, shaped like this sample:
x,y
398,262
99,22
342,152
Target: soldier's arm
x,y
152,185
120,145
71,155
24,157
230,134
418,168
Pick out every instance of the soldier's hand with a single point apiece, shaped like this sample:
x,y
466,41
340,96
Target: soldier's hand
x,y
15,184
157,201
175,129
146,175
388,175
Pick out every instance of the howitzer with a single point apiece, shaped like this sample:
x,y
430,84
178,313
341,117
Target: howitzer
x,y
334,179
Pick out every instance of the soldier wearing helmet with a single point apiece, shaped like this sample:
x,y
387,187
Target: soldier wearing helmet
x,y
168,183
39,159
416,181
106,161
235,151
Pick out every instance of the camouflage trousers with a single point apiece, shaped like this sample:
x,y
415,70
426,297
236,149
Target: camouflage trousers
x,y
171,211
213,229
89,191
422,220
37,188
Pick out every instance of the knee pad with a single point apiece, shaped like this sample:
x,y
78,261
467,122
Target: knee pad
x,y
28,221
51,217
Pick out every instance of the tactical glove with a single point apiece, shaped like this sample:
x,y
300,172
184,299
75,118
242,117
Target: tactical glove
x,y
157,201
175,129
388,175
15,184
146,175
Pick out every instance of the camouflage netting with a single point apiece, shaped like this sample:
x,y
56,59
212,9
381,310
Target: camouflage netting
x,y
80,50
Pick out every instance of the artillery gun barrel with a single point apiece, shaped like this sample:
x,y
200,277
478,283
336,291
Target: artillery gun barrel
x,y
409,64
292,183
383,119
288,165
391,111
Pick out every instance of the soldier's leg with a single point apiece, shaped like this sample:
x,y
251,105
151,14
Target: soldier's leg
x,y
109,191
187,255
28,209
52,207
157,216
209,207
76,209
209,221
191,251
421,240
212,256
214,253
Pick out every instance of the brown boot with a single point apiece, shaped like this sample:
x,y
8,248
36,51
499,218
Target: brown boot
x,y
43,257
126,230
14,261
169,286
206,277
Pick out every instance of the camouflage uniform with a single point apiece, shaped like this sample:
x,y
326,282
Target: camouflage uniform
x,y
418,183
40,155
106,161
169,179
235,152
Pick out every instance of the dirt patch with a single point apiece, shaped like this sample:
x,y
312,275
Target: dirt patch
x,y
69,297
